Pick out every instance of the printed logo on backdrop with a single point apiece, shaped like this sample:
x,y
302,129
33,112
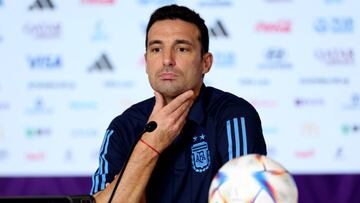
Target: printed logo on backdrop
x,y
2,135
270,130
35,156
38,107
280,26
43,30
94,154
353,103
98,2
218,30
335,56
45,62
51,85
102,64
305,102
68,155
38,132
83,105
4,154
42,5
350,129
334,25
324,81
4,105
339,151
333,1
249,81
275,58
224,59
305,153
98,33
200,154
310,129
279,1
119,84
215,2
264,103
156,2
84,132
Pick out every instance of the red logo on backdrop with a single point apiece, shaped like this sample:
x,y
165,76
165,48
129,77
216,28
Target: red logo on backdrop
x,y
281,26
305,153
35,156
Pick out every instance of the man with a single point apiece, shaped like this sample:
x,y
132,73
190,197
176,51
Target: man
x,y
198,129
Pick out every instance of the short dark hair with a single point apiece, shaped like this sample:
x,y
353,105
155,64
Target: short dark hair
x,y
174,12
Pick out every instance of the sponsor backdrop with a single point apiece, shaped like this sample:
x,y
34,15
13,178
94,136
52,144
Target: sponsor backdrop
x,y
68,68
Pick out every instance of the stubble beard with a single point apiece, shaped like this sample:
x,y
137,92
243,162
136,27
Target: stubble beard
x,y
169,89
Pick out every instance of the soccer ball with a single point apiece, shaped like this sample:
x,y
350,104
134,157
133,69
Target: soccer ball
x,y
253,178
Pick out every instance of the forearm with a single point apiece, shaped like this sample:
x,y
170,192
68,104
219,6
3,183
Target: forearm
x,y
135,178
170,120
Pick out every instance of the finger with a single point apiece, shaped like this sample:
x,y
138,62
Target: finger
x,y
107,184
181,120
178,101
182,110
159,102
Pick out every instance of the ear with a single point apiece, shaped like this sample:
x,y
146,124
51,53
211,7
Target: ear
x,y
146,67
207,62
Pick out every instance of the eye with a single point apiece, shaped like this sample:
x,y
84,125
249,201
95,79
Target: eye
x,y
155,49
182,49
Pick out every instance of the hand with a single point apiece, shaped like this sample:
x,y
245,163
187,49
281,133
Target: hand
x,y
170,119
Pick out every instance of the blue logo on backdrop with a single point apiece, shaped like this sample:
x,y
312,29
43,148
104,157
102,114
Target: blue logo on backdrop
x,y
224,59
4,105
275,58
200,154
83,105
39,106
99,34
333,1
215,2
354,102
45,62
334,24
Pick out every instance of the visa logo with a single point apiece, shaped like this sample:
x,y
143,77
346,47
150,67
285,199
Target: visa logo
x,y
45,62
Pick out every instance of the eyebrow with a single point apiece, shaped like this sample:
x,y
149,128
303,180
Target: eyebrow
x,y
178,41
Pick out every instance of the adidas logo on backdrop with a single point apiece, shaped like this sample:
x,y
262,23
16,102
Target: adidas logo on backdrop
x,y
41,5
218,30
102,64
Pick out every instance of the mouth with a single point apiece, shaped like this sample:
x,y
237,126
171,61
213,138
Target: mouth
x,y
168,76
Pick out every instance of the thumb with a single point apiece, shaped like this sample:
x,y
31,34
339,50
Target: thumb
x,y
159,101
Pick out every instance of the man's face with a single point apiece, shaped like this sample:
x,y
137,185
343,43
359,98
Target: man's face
x,y
174,62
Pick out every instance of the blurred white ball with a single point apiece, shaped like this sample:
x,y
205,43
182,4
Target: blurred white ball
x,y
253,178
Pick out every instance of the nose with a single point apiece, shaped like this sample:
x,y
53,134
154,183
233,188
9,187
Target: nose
x,y
168,58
